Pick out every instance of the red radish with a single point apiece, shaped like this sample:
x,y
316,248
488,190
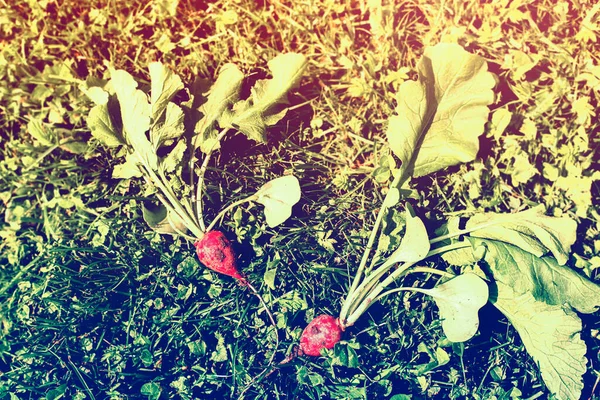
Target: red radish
x,y
323,332
216,252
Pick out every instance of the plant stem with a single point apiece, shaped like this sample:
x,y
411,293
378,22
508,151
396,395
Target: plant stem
x,y
402,289
428,270
451,235
358,294
370,294
170,200
450,247
226,210
365,257
200,186
184,202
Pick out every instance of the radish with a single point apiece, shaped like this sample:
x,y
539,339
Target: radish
x,y
153,129
323,332
216,253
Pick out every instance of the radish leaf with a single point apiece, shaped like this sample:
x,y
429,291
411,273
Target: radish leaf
x,y
459,301
253,115
543,277
551,335
129,169
414,245
530,230
164,84
102,128
279,196
223,93
448,104
170,128
135,113
538,295
174,158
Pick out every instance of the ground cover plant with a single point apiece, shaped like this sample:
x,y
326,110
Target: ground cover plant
x,y
96,304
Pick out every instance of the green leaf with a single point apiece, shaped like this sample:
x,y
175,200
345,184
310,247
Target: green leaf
x,y
269,278
220,353
224,92
253,115
551,336
164,84
415,242
102,127
448,104
38,131
536,294
279,196
530,230
392,198
95,93
459,301
172,127
292,301
161,221
152,390
543,277
174,158
129,169
135,113
458,257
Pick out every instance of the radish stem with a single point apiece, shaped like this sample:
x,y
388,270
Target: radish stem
x,y
428,270
170,200
369,293
199,187
227,209
365,257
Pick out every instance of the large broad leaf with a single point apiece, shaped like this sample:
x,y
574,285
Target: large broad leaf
x,y
459,301
551,335
224,92
164,84
252,116
415,242
441,116
135,113
530,230
537,295
102,128
279,196
543,277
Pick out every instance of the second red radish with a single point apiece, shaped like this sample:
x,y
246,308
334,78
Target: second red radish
x,y
323,332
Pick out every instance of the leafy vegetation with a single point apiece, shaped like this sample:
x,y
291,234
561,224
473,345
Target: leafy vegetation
x,y
98,304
